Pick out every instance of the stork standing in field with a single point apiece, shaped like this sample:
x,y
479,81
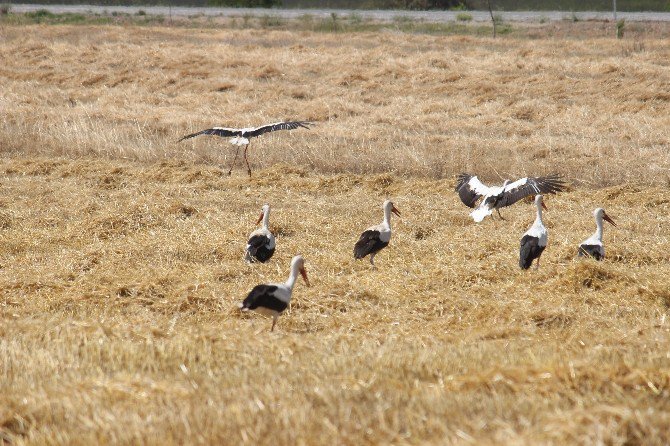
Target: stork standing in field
x,y
377,237
272,299
470,190
261,243
534,240
241,136
593,246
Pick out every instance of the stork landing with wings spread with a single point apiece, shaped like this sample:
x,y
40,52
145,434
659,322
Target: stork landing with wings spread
x,y
470,190
240,137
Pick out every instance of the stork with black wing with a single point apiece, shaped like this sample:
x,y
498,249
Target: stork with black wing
x,y
471,190
240,137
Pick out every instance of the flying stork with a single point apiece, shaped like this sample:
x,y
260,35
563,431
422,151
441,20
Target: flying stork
x,y
593,246
470,190
377,237
261,243
534,240
240,137
272,299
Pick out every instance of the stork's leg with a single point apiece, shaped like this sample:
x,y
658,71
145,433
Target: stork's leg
x,y
234,159
372,259
498,211
274,322
246,160
537,264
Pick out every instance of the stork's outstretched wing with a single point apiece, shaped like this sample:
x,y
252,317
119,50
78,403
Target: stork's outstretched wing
x,y
530,186
218,131
290,125
470,189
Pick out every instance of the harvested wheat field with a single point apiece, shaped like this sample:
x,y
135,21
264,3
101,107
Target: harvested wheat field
x,y
121,251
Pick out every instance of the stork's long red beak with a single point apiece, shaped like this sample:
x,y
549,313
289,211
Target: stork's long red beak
x,y
395,211
544,206
303,273
260,218
608,219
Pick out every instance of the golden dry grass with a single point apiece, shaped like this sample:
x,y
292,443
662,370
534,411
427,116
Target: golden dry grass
x,y
120,283
121,252
596,109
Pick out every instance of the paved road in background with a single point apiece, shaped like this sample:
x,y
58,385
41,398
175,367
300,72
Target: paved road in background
x,y
430,16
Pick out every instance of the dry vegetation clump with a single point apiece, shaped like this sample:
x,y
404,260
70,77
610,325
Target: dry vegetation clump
x,y
118,321
594,109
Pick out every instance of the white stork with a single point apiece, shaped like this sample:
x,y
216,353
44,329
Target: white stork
x,y
593,246
241,136
470,190
377,237
534,240
272,299
261,243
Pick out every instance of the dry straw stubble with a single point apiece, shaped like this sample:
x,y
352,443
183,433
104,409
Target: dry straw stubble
x,y
422,105
121,252
119,307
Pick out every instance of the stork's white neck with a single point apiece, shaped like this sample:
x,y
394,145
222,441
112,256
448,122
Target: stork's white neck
x,y
599,228
538,219
387,216
295,270
266,218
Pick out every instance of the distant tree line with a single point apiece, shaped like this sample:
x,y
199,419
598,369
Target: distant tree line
x,y
246,3
500,5
376,4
